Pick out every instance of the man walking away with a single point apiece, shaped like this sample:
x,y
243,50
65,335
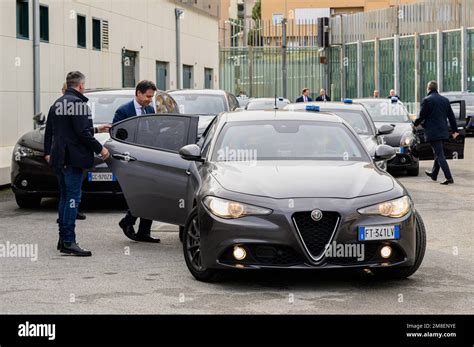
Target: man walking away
x,y
304,96
69,148
140,105
323,96
434,111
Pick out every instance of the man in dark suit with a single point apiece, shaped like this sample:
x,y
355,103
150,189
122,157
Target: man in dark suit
x,y
140,105
435,109
304,96
69,148
323,96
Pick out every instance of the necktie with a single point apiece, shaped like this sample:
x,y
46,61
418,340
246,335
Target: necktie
x,y
143,110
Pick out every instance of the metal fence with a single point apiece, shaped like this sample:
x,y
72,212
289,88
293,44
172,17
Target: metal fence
x,y
364,61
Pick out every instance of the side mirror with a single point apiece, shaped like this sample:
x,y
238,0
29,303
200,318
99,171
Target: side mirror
x,y
39,118
385,129
384,152
191,152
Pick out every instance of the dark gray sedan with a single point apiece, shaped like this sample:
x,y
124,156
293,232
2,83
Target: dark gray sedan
x,y
268,189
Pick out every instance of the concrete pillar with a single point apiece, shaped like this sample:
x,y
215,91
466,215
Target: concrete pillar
x,y
439,59
360,76
377,63
343,71
417,52
396,63
464,55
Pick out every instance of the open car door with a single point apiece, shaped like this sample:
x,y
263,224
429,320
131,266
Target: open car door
x,y
144,158
453,148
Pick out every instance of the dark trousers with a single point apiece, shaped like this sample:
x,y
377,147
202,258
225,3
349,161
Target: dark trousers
x,y
440,160
145,224
70,184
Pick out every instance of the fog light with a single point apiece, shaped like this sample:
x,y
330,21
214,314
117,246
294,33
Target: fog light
x,y
386,252
239,253
24,183
403,160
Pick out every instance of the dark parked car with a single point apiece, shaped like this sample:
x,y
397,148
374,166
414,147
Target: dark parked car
x,y
356,116
465,120
403,138
207,103
268,189
32,178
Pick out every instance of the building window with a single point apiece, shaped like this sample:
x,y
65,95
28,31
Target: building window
x,y
22,24
208,76
81,31
96,34
44,23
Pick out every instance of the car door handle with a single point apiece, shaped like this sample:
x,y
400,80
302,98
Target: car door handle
x,y
124,157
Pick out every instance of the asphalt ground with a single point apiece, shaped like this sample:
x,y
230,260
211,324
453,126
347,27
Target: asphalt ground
x,y
123,276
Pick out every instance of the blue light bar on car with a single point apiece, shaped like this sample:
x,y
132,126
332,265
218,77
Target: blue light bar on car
x,y
348,101
313,108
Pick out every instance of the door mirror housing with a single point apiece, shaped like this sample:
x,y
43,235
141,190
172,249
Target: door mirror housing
x,y
191,152
385,129
39,118
384,152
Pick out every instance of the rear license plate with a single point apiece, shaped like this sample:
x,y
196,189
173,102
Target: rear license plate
x,y
379,232
101,177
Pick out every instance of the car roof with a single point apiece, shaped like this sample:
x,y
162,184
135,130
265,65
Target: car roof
x,y
257,115
340,106
268,100
198,91
373,100
122,91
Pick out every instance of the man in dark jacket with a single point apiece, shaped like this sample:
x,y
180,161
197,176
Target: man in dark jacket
x,y
69,148
304,96
140,105
323,96
435,109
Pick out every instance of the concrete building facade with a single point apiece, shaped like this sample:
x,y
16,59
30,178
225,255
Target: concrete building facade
x,y
115,43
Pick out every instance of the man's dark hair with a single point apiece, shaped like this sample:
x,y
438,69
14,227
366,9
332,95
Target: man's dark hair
x,y
304,90
145,85
433,85
74,78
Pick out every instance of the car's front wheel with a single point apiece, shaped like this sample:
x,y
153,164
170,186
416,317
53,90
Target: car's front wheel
x,y
192,251
407,271
25,201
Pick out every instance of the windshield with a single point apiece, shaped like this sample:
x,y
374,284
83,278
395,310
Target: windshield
x,y
266,105
387,112
357,120
103,106
200,103
286,140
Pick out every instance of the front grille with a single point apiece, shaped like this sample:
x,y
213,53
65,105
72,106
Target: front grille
x,y
316,235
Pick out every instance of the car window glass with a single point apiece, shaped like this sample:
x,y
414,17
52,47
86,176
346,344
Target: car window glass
x,y
207,140
356,120
387,112
103,106
163,132
125,131
200,103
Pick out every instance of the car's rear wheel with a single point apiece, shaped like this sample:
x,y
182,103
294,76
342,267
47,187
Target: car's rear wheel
x,y
25,201
192,251
414,171
407,271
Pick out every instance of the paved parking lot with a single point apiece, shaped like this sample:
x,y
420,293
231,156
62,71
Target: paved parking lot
x,y
127,277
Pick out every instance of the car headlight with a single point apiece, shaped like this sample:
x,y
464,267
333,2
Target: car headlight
x,y
22,152
395,208
232,209
407,139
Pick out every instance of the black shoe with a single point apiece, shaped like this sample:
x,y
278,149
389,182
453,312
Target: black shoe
x,y
448,181
127,229
60,244
146,238
74,249
80,215
430,175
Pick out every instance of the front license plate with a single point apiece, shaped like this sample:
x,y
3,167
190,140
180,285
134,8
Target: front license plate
x,y
380,232
101,177
400,150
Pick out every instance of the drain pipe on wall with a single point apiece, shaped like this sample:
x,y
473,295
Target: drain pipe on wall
x,y
179,80
36,58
